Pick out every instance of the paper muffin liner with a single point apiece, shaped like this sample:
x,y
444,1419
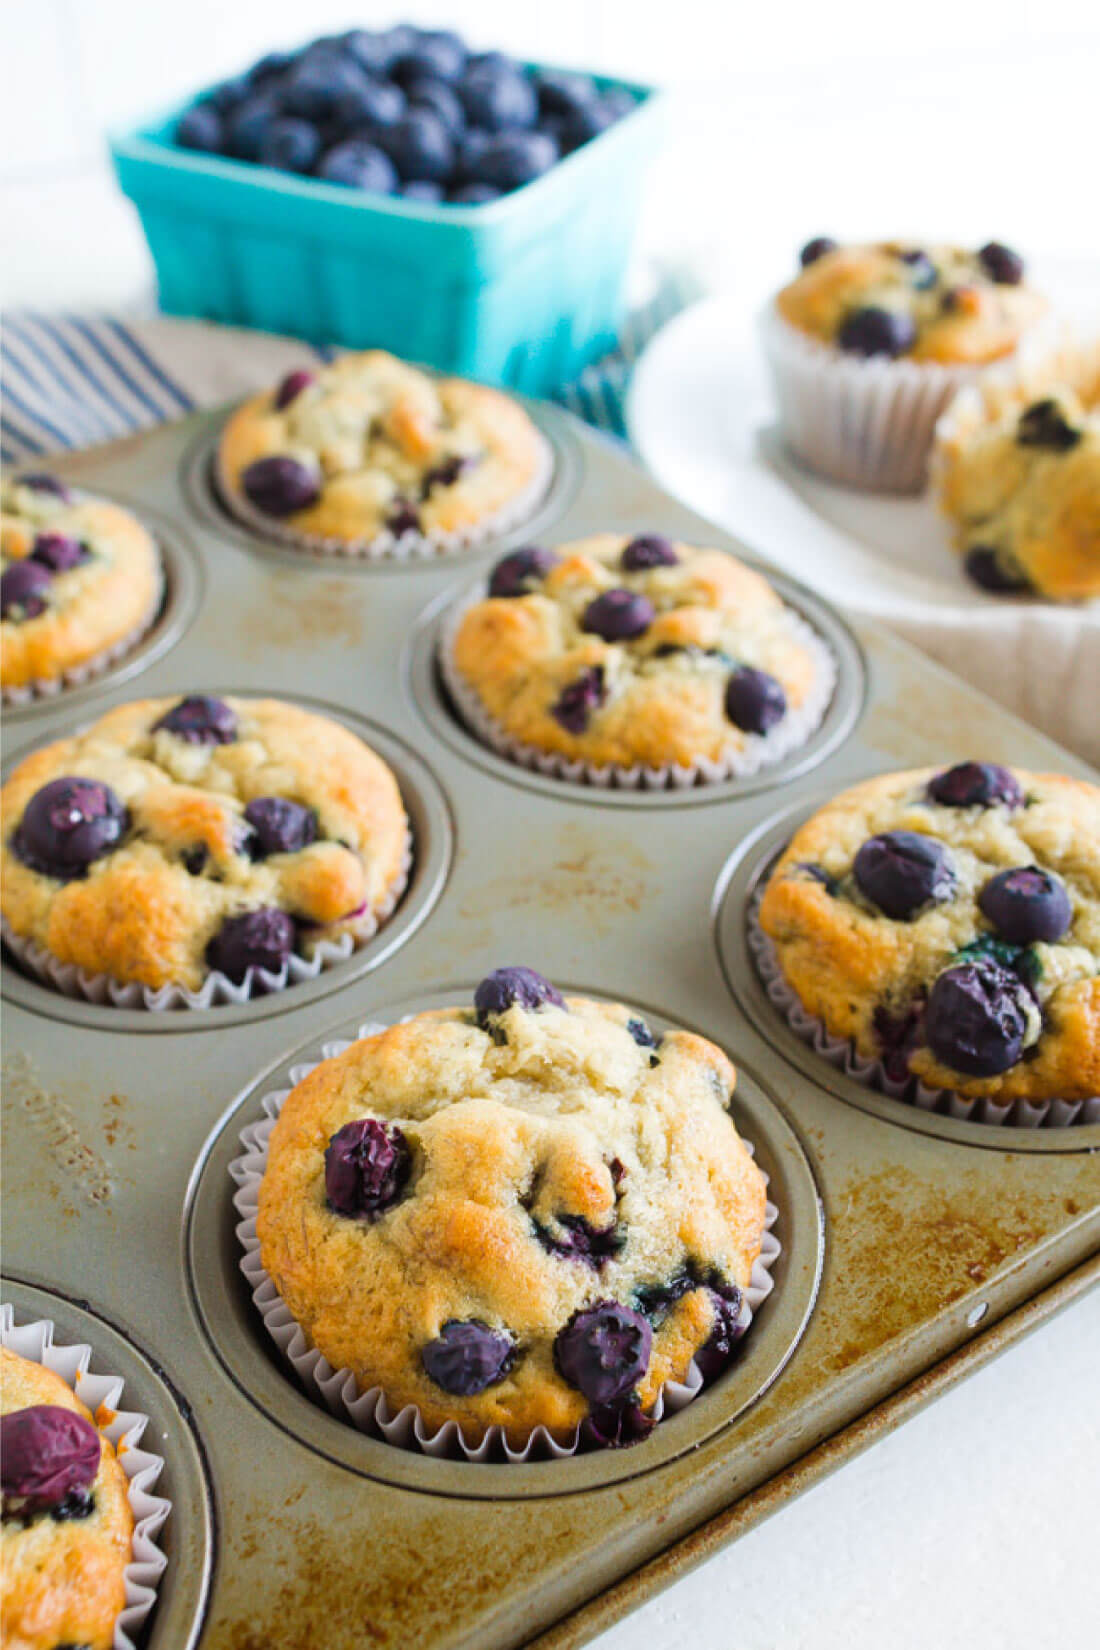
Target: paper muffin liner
x,y
35,1342
758,750
216,989
387,546
841,1053
371,1412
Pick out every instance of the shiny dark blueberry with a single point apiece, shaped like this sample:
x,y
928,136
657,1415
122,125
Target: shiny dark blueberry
x,y
200,128
976,785
815,249
370,109
521,570
1026,904
59,552
441,99
403,518
46,1454
1001,264
576,702
292,386
359,164
468,1357
420,146
371,49
471,146
1044,425
642,1034
655,1299
247,127
474,194
562,90
754,701
290,144
581,125
820,874
68,824
438,52
604,1351
875,331
923,271
618,616
577,1240
315,84
506,988
903,871
993,570
366,1166
263,939
280,486
511,159
446,473
23,590
280,827
617,1426
715,1353
42,483
420,189
977,1017
498,98
649,550
200,720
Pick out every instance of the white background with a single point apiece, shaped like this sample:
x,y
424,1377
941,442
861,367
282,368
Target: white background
x,y
976,1524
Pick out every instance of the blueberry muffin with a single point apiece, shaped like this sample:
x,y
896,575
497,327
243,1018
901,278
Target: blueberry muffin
x,y
534,1212
176,837
367,451
80,578
67,1524
948,924
619,652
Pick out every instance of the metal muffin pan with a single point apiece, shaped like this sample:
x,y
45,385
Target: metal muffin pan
x,y
936,1245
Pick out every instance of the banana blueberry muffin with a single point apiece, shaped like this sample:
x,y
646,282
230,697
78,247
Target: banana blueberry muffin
x,y
948,924
67,1524
620,651
533,1212
176,837
79,576
368,449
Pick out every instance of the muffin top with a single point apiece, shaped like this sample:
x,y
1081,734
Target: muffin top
x,y
620,651
948,923
178,836
367,449
79,575
67,1525
534,1212
898,298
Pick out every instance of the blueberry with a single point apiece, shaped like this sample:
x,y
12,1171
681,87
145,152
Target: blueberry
x,y
1001,264
248,126
561,91
370,109
874,331
403,518
507,988
898,1035
367,1164
68,824
976,785
291,145
420,146
268,68
280,826
604,1351
59,552
977,1018
576,702
1044,425
655,1299
419,189
473,194
616,1426
292,386
902,871
201,128
280,486
923,271
996,571
316,84
579,126
815,249
371,49
520,571
512,159
23,588
642,1034
42,483
359,165
618,616
446,472
754,700
47,1454
577,1240
618,102
498,99
471,146
199,719
467,1357
437,53
229,93
715,1353
263,938
1026,904
442,100
649,550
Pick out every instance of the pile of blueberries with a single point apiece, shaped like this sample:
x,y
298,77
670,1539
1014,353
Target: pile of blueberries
x,y
403,111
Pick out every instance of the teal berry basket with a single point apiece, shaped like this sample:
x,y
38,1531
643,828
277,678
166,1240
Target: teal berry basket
x,y
523,291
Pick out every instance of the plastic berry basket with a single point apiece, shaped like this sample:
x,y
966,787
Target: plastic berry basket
x,y
523,291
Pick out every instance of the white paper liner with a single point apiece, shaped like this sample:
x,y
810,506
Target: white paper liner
x,y
216,989
758,750
842,1054
370,1412
386,545
35,1342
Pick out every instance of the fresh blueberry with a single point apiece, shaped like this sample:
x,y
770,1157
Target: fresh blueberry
x,y
403,518
441,99
996,571
512,159
68,824
263,938
977,1018
467,1357
371,49
648,550
366,1166
754,700
576,702
561,91
471,146
201,128
1044,425
315,85
419,189
420,146
370,109
618,616
59,552
359,165
229,94
292,386
923,271
902,871
199,719
577,1240
473,194
280,486
47,1454
1026,904
270,67
280,826
498,61
520,571
247,128
618,102
715,1353
498,99
42,483
1001,264
517,987
976,785
23,588
815,249
875,331
579,126
291,145
642,1034
438,54
446,472
604,1351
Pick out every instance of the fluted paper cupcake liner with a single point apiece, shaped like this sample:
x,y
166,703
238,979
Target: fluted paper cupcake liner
x,y
78,675
216,989
756,751
371,1412
35,1342
842,1054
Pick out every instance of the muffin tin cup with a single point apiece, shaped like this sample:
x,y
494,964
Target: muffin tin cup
x,y
758,751
35,1342
216,989
371,1411
843,1054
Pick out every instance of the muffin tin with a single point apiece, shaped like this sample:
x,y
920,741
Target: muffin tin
x,y
914,1245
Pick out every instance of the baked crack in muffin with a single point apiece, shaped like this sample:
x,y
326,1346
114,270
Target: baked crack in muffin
x,y
531,1213
176,837
947,923
368,455
67,1525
